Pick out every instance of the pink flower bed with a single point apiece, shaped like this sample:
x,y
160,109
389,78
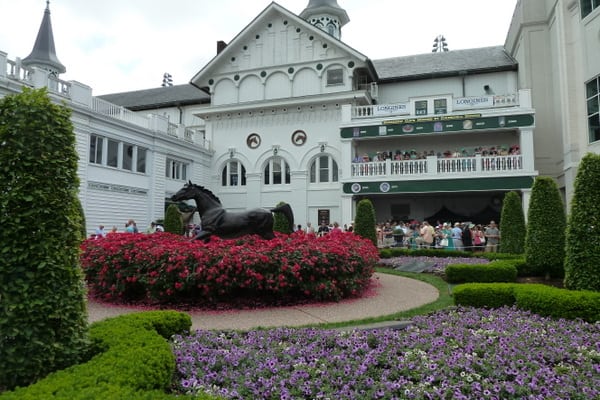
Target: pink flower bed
x,y
165,268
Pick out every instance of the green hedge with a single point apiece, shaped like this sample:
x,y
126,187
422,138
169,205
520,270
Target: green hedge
x,y
401,252
134,361
484,294
496,271
559,303
540,299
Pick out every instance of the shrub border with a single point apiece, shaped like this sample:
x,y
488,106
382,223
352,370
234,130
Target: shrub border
x,y
133,361
541,299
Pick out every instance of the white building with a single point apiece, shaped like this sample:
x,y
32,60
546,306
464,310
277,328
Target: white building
x,y
286,108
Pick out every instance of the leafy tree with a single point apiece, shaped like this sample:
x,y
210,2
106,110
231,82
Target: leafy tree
x,y
43,318
546,222
582,266
173,220
512,225
364,221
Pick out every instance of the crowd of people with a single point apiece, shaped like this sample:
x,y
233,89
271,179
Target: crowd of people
x,y
458,236
421,155
130,227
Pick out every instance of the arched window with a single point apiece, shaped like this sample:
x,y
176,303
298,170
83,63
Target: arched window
x,y
277,172
324,169
234,174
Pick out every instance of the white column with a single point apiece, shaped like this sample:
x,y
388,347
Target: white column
x,y
253,184
299,201
347,209
527,151
3,64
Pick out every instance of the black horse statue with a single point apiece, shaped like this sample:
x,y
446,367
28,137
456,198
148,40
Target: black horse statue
x,y
226,224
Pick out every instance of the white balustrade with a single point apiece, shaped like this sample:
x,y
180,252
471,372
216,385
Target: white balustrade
x,y
441,167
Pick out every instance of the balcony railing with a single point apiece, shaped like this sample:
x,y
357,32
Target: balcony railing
x,y
439,167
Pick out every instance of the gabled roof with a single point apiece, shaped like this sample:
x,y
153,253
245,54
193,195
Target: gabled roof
x,y
178,95
451,63
262,17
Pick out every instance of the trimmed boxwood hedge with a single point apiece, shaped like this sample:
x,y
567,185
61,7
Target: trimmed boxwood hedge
x,y
402,252
540,299
134,361
496,271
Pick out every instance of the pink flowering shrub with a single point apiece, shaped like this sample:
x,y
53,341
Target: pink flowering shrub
x,y
166,268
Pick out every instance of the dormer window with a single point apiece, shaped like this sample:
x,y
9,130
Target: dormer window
x,y
335,76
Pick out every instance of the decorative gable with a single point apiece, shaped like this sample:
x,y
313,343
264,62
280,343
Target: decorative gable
x,y
279,55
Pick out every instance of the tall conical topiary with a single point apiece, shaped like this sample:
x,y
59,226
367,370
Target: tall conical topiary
x,y
546,223
512,225
173,220
43,318
280,222
582,261
364,221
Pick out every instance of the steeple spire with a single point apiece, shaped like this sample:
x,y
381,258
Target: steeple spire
x,y
43,54
326,15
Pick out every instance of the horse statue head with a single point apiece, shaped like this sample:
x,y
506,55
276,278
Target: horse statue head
x,y
205,199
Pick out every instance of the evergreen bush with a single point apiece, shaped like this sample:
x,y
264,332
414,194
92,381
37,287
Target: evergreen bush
x,y
43,320
280,222
173,220
546,223
134,361
512,225
582,261
496,271
364,221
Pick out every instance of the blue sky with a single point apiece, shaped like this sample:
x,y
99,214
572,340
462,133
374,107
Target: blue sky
x,y
122,45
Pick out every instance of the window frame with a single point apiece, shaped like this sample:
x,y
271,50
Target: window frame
x,y
227,177
332,78
588,6
593,112
316,170
176,169
270,173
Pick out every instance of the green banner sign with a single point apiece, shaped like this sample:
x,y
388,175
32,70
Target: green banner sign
x,y
439,185
441,124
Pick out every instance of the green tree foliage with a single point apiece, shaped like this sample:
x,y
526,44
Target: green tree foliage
x,y
582,264
364,221
82,228
280,222
512,225
546,223
173,220
43,318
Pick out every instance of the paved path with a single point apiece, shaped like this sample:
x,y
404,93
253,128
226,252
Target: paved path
x,y
389,294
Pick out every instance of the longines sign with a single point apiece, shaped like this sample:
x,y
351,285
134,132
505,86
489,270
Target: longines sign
x,y
438,124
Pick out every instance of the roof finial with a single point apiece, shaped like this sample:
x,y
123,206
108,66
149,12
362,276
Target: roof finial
x,y
47,4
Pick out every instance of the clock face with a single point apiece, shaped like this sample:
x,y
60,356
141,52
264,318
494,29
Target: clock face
x,y
299,138
253,140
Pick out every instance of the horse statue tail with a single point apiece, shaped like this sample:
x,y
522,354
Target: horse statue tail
x,y
286,210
